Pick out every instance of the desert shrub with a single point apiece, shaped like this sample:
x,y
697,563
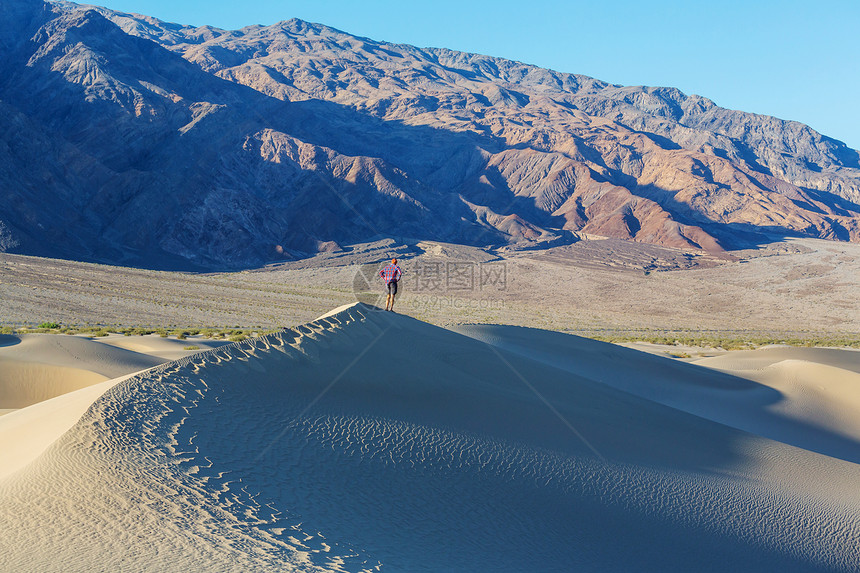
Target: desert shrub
x,y
678,354
138,331
191,347
49,325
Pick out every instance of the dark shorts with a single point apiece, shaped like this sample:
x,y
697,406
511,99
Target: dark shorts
x,y
392,287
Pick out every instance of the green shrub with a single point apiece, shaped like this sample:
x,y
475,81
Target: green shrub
x,y
49,325
137,331
191,347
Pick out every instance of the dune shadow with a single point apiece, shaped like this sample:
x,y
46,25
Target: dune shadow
x,y
9,340
724,398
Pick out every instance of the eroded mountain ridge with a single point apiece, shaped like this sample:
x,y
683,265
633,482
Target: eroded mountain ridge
x,y
130,140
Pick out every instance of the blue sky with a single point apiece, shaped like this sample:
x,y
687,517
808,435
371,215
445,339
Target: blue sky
x,y
794,60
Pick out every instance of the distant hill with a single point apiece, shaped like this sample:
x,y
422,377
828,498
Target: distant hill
x,y
133,141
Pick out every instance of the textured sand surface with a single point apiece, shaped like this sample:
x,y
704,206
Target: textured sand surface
x,y
27,432
369,440
806,397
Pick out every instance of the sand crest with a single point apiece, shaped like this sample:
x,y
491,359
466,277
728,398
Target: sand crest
x,y
368,440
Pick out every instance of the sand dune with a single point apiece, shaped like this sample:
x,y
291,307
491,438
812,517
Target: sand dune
x,y
25,383
166,348
818,386
845,359
788,402
368,440
36,367
27,432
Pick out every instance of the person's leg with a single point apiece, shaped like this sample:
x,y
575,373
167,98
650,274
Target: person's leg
x,y
388,301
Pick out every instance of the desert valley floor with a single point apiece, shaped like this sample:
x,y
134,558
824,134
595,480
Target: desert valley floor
x,y
797,286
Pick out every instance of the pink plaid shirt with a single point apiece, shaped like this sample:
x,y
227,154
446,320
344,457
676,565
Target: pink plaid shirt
x,y
391,272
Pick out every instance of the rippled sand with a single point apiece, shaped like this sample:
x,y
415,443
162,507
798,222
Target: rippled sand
x,y
367,440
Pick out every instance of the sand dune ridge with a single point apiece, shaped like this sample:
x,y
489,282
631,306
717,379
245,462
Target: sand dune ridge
x,y
366,440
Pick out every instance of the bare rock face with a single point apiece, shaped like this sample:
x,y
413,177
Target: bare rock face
x,y
130,140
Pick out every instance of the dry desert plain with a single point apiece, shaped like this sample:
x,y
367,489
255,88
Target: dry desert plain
x,y
802,288
476,429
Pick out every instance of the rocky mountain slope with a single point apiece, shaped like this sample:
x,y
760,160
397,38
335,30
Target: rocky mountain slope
x,y
130,140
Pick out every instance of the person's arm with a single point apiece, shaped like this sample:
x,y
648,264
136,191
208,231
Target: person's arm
x,y
398,274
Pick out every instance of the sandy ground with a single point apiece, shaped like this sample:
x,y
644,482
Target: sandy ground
x,y
807,397
796,287
26,433
37,367
368,440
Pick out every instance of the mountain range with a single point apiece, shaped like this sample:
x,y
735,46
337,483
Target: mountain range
x,y
128,140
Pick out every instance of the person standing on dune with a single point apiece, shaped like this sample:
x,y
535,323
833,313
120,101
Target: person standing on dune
x,y
391,273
